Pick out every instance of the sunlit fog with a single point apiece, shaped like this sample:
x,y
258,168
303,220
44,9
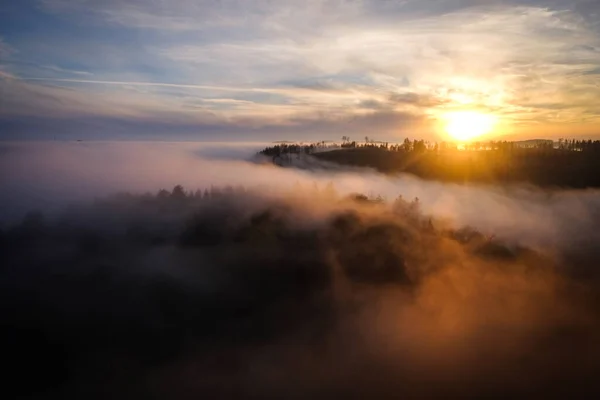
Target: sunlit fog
x,y
172,256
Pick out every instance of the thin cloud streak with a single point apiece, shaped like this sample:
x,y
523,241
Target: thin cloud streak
x,y
160,84
281,89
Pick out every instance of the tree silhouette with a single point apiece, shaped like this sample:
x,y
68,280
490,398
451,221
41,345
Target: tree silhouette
x,y
178,192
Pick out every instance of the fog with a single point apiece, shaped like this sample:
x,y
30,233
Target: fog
x,y
281,283
48,176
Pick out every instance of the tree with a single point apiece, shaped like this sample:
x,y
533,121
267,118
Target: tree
x,y
163,194
178,192
359,197
415,206
400,205
419,146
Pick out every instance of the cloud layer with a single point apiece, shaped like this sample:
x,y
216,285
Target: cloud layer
x,y
285,70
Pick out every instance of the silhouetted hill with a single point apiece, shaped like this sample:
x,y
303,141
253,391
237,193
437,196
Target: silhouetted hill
x,y
571,164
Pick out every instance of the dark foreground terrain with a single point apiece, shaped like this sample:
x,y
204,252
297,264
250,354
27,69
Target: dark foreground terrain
x,y
234,294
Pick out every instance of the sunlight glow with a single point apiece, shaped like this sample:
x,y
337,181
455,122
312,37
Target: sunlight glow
x,y
467,125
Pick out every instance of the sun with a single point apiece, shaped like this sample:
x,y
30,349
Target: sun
x,y
467,125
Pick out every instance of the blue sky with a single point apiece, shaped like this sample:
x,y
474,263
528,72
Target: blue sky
x,y
296,70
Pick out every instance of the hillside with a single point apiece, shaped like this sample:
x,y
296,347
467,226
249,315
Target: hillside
x,y
571,165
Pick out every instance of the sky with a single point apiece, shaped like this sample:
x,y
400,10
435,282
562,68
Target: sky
x,y
267,70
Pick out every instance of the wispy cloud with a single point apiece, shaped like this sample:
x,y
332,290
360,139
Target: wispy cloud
x,y
6,75
5,49
66,70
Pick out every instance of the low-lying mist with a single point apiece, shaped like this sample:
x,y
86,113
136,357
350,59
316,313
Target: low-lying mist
x,y
48,176
253,281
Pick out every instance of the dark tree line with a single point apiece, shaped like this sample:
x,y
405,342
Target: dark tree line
x,y
422,146
566,163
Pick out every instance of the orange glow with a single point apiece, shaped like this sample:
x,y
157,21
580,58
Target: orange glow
x,y
467,125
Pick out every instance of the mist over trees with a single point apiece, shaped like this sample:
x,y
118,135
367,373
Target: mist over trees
x,y
240,292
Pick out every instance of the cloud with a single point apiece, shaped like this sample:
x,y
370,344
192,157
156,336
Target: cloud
x,y
5,49
67,71
195,111
193,15
6,76
258,61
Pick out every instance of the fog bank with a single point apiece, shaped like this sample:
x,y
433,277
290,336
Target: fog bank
x,y
48,176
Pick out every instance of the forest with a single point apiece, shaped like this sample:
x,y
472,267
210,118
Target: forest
x,y
233,292
566,163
